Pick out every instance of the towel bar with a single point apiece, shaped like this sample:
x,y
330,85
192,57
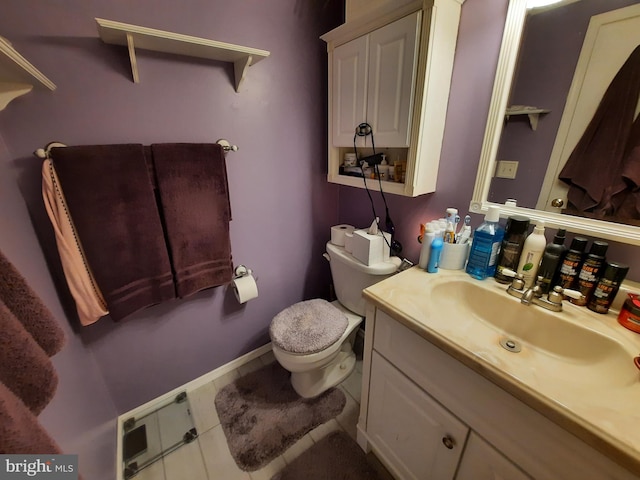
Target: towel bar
x,y
44,152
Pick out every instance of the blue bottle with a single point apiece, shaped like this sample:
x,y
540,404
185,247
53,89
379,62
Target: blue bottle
x,y
486,246
434,255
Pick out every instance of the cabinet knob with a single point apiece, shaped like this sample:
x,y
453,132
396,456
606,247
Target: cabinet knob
x,y
448,442
557,202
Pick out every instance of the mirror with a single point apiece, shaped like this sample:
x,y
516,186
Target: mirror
x,y
541,133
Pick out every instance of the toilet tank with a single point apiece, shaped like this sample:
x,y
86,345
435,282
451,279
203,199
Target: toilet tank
x,y
351,276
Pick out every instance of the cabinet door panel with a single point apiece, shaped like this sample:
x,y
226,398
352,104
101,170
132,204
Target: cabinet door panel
x,y
349,89
407,426
393,54
483,462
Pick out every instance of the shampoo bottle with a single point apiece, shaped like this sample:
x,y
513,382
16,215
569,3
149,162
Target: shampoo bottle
x,y
551,260
531,255
485,246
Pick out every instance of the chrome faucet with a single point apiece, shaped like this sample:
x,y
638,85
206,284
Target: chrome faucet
x,y
535,296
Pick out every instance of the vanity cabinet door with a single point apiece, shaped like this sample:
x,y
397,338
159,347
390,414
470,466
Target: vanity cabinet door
x,y
411,433
483,462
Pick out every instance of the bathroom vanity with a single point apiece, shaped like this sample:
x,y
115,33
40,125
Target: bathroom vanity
x,y
442,399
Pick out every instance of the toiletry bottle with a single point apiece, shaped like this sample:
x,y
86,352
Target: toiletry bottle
x,y
570,266
434,254
514,237
485,246
590,272
607,287
551,260
425,250
531,256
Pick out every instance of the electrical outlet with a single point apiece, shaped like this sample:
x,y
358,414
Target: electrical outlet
x,y
506,169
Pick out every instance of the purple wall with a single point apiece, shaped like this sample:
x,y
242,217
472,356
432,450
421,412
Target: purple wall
x,y
551,45
282,206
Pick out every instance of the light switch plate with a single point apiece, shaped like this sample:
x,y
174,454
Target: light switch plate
x,y
506,169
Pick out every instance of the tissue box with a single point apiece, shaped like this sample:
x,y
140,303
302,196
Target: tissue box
x,y
370,249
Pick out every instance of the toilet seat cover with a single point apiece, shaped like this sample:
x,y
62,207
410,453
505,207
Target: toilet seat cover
x,y
308,327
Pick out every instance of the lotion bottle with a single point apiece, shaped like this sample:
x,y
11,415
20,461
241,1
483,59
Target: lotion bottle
x,y
531,255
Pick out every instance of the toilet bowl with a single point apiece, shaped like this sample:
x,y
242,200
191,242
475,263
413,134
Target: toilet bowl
x,y
314,339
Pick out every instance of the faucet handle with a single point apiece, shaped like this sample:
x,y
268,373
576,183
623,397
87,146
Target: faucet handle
x,y
518,280
558,294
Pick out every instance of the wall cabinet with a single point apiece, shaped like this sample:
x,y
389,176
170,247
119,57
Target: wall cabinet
x,y
373,81
426,415
391,68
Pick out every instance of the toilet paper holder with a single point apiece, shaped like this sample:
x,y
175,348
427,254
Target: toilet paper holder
x,y
242,271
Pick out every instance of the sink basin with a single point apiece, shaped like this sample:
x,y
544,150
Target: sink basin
x,y
555,346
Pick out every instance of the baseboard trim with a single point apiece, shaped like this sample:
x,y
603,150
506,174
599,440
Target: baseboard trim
x,y
188,387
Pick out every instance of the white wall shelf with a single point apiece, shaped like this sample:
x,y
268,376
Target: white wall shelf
x,y
17,75
132,36
533,113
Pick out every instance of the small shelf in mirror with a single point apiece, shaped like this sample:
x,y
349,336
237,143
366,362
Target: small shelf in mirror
x,y
17,74
133,36
532,112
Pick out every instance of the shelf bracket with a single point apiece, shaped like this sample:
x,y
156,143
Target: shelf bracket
x,y
132,58
11,91
240,69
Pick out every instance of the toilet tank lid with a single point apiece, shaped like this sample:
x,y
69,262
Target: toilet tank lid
x,y
383,268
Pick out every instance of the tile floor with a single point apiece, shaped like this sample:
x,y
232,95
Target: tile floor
x,y
208,457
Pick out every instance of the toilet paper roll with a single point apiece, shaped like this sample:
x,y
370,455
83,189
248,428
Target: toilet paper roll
x,y
348,242
245,288
338,233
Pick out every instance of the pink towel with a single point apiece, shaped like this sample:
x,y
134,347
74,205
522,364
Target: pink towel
x,y
27,307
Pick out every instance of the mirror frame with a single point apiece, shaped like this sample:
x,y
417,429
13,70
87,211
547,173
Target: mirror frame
x,y
628,234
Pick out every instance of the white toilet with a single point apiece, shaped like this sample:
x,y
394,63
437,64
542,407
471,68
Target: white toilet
x,y
313,339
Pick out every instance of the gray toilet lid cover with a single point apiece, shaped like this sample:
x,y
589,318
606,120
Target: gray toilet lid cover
x,y
308,327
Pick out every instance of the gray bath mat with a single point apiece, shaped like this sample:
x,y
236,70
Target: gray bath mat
x,y
262,415
335,457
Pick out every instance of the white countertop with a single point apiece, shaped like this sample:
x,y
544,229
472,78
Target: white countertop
x,y
603,412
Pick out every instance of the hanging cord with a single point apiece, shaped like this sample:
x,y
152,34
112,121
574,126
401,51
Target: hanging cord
x,y
364,130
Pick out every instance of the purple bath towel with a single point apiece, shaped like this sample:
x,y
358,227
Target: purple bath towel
x,y
112,203
194,196
24,367
27,307
20,431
